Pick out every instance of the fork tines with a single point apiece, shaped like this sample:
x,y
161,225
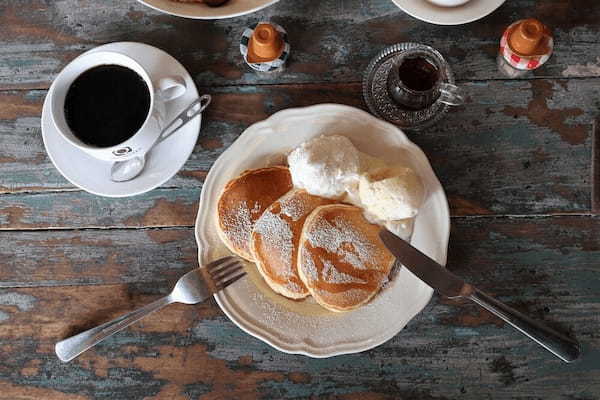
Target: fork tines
x,y
225,271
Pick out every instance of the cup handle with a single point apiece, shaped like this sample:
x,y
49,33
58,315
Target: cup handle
x,y
451,94
171,87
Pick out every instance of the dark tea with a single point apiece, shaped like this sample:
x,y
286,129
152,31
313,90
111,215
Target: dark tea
x,y
418,74
106,105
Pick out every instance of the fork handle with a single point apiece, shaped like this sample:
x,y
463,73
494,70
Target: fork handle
x,y
68,349
558,344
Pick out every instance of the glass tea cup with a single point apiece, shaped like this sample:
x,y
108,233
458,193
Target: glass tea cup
x,y
416,81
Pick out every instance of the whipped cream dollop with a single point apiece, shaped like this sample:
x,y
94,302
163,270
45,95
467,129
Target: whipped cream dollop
x,y
330,166
326,166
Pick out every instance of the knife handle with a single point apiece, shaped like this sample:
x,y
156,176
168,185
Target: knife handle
x,y
560,345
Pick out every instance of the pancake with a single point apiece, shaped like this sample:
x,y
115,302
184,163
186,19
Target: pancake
x,y
275,240
243,201
342,261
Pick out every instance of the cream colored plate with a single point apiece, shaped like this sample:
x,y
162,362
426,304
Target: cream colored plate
x,y
233,8
305,327
428,11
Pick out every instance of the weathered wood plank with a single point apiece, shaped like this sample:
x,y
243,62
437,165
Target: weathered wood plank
x,y
332,41
185,352
161,207
86,257
546,267
554,257
595,195
514,148
551,257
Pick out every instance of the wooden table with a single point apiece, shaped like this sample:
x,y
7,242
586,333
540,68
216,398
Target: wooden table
x,y
515,162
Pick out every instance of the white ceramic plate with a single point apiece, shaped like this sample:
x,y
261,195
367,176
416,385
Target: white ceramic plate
x,y
305,327
164,161
428,11
233,8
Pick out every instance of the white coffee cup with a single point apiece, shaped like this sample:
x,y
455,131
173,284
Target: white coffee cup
x,y
162,90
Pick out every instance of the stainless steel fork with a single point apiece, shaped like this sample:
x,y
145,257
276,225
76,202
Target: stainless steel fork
x,y
192,288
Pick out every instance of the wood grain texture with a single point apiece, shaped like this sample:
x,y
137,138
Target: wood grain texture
x,y
194,352
86,257
78,209
514,148
331,40
514,162
545,267
595,193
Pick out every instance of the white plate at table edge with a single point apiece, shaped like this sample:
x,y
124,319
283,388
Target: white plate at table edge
x,y
436,201
426,11
186,10
184,140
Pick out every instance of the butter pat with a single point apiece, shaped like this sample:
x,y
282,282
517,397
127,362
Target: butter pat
x,y
391,193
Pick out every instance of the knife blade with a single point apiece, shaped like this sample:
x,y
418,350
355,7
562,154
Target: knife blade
x,y
426,269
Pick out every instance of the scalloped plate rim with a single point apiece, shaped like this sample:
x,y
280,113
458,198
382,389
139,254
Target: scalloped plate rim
x,y
269,336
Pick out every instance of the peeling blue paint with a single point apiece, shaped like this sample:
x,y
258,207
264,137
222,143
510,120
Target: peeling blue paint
x,y
23,302
465,332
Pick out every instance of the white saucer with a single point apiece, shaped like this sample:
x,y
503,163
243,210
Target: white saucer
x,y
232,8
428,11
304,327
163,162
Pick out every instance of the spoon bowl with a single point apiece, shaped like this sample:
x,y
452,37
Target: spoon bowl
x,y
123,171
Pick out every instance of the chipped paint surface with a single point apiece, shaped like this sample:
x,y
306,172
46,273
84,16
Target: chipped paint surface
x,y
538,112
578,70
93,257
23,302
537,130
38,41
511,159
544,267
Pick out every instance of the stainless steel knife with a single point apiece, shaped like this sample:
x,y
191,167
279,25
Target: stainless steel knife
x,y
450,285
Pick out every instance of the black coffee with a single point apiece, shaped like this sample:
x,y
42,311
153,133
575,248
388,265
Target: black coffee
x,y
107,105
418,74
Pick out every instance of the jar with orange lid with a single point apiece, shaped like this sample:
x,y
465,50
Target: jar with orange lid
x,y
265,47
525,45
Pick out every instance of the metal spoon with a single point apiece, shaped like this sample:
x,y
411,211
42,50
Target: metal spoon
x,y
123,171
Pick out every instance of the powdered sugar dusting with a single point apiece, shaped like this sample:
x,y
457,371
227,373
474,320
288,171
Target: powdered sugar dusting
x,y
293,286
309,266
277,232
332,275
294,207
341,238
238,224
